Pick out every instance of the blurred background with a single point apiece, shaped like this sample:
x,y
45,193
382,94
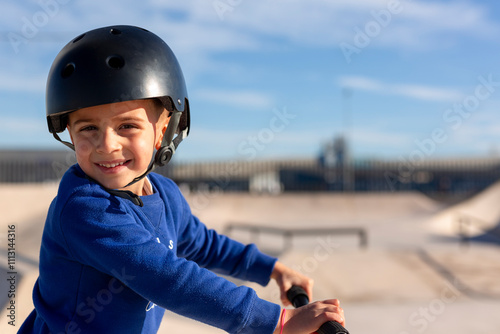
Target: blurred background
x,y
365,133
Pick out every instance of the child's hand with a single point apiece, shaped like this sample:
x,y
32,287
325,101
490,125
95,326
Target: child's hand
x,y
307,319
287,277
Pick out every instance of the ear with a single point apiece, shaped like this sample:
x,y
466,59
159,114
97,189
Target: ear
x,y
70,135
161,134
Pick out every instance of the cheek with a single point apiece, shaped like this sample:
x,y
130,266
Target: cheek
x,y
144,148
152,139
83,148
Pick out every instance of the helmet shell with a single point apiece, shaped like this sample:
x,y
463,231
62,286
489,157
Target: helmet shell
x,y
114,64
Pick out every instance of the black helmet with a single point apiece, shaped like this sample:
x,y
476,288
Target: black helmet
x,y
115,64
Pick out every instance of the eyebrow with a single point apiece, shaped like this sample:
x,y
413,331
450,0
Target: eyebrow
x,y
130,119
120,119
78,121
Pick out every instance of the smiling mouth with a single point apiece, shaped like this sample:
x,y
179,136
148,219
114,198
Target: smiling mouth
x,y
113,165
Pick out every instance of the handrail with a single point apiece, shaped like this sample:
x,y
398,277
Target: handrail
x,y
289,233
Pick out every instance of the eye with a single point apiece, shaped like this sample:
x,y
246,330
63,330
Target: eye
x,y
88,128
128,126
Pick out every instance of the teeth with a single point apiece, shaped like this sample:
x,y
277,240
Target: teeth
x,y
111,165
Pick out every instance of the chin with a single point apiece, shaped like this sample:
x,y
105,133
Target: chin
x,y
113,184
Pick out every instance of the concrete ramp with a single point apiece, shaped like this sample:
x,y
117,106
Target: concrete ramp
x,y
26,207
408,280
316,209
477,215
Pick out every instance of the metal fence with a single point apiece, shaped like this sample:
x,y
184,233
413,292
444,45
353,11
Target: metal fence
x,y
437,178
34,166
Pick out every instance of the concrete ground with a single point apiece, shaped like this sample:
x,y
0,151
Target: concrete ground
x,y
413,277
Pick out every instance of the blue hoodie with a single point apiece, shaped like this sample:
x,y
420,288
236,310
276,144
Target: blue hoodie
x,y
110,266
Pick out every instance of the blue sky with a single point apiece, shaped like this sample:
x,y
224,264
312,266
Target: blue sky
x,y
278,79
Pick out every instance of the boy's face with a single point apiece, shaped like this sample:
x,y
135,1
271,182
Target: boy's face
x,y
114,143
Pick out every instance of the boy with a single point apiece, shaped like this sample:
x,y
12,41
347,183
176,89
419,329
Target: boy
x,y
120,243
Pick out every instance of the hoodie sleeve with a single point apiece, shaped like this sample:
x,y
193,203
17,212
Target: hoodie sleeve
x,y
99,232
215,251
224,255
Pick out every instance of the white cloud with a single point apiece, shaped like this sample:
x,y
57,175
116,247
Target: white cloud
x,y
362,83
420,92
197,25
457,16
196,31
427,92
328,23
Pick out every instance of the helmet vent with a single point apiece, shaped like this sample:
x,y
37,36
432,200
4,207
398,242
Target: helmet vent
x,y
115,62
68,70
114,31
78,38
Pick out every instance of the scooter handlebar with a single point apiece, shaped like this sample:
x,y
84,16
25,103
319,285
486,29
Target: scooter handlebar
x,y
298,297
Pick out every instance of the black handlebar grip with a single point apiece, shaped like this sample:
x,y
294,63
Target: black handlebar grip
x,y
298,297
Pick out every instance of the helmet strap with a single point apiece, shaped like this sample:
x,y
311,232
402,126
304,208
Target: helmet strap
x,y
68,144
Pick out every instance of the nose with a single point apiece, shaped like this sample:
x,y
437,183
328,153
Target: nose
x,y
108,141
